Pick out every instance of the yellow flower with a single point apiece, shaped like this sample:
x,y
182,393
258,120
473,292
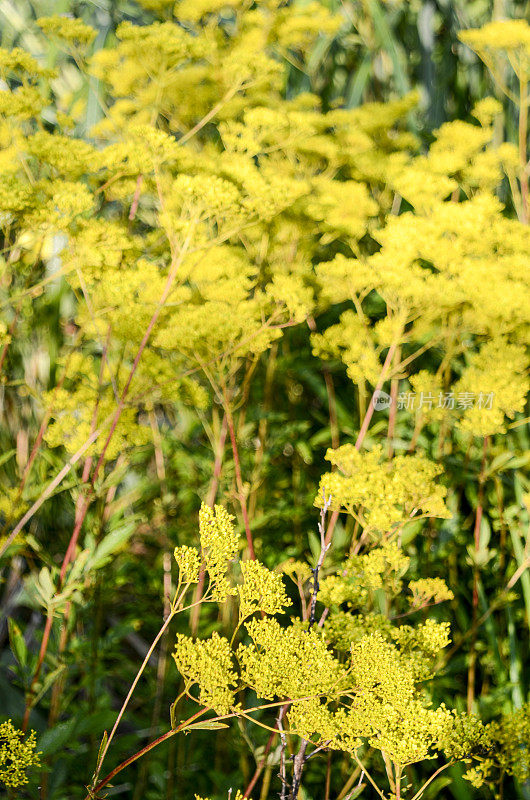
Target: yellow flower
x,y
17,755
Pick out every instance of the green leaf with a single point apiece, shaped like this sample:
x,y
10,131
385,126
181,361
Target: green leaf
x,y
18,645
485,533
206,726
388,43
359,82
499,462
525,577
110,545
48,682
6,456
53,740
102,748
357,791
172,715
45,587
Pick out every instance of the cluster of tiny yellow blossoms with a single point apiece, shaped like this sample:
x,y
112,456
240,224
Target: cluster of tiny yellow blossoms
x,y
287,662
511,733
361,575
383,495
358,678
429,590
81,407
208,663
262,590
189,563
17,755
509,39
352,342
71,30
401,722
219,546
503,369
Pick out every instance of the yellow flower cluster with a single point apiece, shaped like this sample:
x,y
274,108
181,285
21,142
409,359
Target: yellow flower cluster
x,y
262,590
382,495
208,663
351,341
82,407
17,755
511,734
189,563
356,679
509,38
440,269
498,747
499,368
66,158
219,546
361,576
299,30
72,30
429,590
21,104
22,64
387,709
287,662
319,722
485,260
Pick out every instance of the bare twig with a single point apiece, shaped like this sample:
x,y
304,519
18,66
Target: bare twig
x,y
324,547
298,767
283,739
301,757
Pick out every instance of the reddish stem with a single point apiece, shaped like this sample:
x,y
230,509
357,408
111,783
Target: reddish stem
x,y
136,198
239,480
42,654
142,752
370,410
196,610
259,768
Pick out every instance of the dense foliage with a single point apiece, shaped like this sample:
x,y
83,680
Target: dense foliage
x,y
264,476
